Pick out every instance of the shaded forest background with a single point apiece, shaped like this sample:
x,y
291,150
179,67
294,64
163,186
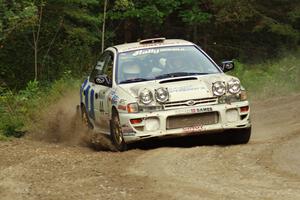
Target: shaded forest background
x,y
45,39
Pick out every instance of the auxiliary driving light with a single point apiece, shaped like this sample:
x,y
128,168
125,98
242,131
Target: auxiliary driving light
x,y
146,96
219,88
162,95
234,86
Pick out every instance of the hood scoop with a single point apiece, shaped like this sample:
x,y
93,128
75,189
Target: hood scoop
x,y
178,79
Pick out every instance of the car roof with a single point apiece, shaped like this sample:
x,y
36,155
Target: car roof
x,y
161,43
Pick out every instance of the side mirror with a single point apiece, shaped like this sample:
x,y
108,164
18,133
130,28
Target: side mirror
x,y
227,66
103,80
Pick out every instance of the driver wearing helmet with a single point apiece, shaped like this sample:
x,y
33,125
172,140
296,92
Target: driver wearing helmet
x,y
177,64
131,71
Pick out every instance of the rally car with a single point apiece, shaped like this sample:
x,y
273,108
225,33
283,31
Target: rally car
x,y
163,87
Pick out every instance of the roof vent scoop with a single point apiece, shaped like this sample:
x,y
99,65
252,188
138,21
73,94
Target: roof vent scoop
x,y
152,40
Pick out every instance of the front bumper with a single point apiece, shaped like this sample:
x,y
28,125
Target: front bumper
x,y
154,124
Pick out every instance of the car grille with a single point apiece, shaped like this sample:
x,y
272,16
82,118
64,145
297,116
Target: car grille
x,y
182,121
186,103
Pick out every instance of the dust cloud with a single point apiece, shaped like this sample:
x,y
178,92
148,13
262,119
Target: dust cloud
x,y
61,123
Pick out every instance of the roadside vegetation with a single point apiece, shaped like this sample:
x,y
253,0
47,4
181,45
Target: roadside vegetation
x,y
20,110
275,77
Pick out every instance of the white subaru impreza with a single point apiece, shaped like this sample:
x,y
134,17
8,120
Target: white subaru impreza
x,y
163,87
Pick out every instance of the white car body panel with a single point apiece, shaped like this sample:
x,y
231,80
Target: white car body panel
x,y
195,96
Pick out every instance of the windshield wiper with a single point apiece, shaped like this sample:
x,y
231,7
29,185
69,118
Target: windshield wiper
x,y
134,80
177,74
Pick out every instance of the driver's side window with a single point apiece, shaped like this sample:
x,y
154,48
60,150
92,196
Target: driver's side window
x,y
98,69
108,68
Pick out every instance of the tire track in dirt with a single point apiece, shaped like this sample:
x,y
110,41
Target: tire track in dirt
x,y
254,171
39,170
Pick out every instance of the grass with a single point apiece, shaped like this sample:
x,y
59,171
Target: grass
x,y
3,138
273,78
22,109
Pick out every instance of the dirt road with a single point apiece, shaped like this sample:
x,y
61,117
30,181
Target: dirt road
x,y
193,168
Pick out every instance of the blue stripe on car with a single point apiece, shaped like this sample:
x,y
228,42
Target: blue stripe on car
x,y
81,89
80,94
92,111
84,83
86,95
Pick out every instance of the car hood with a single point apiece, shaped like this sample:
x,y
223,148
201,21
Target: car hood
x,y
180,88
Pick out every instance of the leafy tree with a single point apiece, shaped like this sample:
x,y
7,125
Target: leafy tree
x,y
42,39
60,37
15,16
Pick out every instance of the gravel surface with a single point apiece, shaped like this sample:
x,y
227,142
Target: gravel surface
x,y
54,163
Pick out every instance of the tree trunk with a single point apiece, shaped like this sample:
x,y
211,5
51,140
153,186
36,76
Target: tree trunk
x,y
103,25
36,38
35,61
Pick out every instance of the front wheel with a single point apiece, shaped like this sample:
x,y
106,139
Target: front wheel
x,y
116,133
240,136
85,118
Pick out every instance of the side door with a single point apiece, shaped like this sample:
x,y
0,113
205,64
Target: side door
x,y
101,93
92,94
109,95
88,89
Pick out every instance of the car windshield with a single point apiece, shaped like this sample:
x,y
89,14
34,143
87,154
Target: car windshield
x,y
164,62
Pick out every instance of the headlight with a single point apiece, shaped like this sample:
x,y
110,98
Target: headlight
x,y
146,96
219,88
234,86
161,95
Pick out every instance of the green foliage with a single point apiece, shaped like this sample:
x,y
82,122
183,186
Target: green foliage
x,y
70,33
17,107
32,89
123,5
10,120
271,78
294,17
20,110
234,11
15,16
71,30
3,138
195,16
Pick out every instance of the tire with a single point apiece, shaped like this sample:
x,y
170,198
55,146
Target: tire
x,y
116,135
240,136
85,118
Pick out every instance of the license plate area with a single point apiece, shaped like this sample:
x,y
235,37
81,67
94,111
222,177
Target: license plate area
x,y
191,120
